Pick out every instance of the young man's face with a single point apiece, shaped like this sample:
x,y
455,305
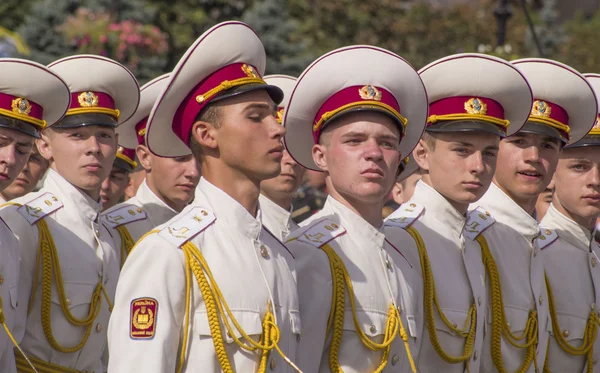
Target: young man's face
x,y
543,201
174,180
459,165
249,137
526,163
577,184
113,188
32,173
84,156
15,148
289,179
360,153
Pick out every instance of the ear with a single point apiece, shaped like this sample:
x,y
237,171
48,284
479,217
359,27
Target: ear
x,y
144,157
397,193
43,145
205,134
319,155
421,155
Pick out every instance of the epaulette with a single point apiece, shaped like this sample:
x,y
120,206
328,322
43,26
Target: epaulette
x,y
318,233
187,226
546,237
478,220
405,215
40,207
122,215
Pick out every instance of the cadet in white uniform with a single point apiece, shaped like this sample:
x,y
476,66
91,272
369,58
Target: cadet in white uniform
x,y
113,187
570,252
404,188
69,269
348,117
276,194
169,185
32,98
467,117
211,290
526,163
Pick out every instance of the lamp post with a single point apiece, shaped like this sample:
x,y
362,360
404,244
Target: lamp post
x,y
502,13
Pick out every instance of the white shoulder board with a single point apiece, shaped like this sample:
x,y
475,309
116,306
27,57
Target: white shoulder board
x,y
405,215
478,220
40,207
319,233
123,215
546,237
187,226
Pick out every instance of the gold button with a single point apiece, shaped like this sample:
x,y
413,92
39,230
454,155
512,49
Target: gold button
x,y
68,301
273,364
548,232
508,324
373,329
139,210
413,205
388,264
395,359
594,262
565,333
455,325
541,300
400,309
99,327
264,252
97,232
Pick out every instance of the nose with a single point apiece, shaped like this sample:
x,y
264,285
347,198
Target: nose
x,y
106,184
477,166
278,131
373,150
93,145
594,181
532,154
8,156
192,171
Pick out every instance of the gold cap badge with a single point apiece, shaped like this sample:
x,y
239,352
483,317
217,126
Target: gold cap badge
x,y
249,70
370,92
475,106
87,99
21,106
541,109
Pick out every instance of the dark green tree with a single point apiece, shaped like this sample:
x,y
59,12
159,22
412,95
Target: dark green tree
x,y
279,34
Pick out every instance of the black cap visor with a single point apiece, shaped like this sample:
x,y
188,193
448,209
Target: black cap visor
x,y
466,126
90,119
19,125
274,92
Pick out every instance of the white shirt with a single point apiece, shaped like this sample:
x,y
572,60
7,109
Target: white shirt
x,y
138,214
85,252
571,263
250,266
277,219
381,276
458,272
521,272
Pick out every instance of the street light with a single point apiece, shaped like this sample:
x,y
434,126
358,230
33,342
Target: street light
x,y
502,13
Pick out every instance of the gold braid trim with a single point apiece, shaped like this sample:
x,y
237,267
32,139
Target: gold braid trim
x,y
218,310
47,258
430,300
40,366
499,325
589,337
394,325
127,243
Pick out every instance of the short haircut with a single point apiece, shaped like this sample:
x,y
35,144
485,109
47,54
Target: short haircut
x,y
429,140
210,114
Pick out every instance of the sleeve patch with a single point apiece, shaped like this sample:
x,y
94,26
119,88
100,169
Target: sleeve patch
x,y
546,237
321,232
405,215
478,221
143,315
123,215
40,207
187,226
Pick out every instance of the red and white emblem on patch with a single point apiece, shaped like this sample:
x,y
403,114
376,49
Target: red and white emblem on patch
x,y
143,318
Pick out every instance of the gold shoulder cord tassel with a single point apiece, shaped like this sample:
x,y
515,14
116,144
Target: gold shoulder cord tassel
x,y
589,337
430,300
217,309
127,243
47,258
394,326
500,327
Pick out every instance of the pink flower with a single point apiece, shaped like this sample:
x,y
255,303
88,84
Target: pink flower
x,y
103,39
